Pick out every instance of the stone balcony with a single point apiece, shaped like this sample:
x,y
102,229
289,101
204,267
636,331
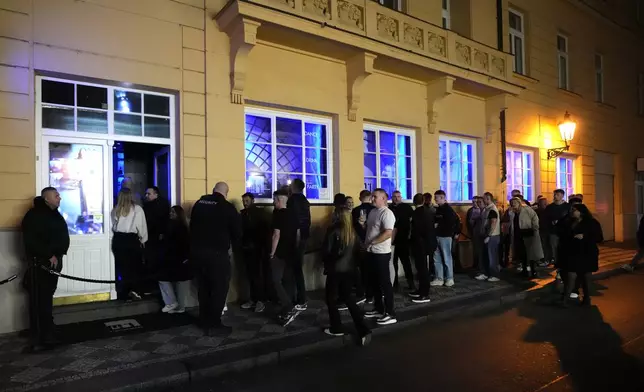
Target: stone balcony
x,y
369,19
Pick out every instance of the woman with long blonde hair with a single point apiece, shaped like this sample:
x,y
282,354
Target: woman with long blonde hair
x,y
130,233
340,269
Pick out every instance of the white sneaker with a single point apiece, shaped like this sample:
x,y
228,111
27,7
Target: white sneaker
x,y
519,269
449,283
330,333
628,268
177,310
437,282
373,314
574,295
169,308
480,277
225,310
386,320
493,279
248,305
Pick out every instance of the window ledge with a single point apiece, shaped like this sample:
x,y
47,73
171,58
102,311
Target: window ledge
x,y
605,105
569,92
525,78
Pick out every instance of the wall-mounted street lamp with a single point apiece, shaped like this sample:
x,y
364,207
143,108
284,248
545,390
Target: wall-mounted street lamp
x,y
567,130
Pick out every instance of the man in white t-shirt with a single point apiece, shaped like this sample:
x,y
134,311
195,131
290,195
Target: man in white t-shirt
x,y
379,228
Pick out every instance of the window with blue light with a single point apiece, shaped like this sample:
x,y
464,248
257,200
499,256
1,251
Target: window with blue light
x,y
388,161
520,172
457,160
283,147
565,175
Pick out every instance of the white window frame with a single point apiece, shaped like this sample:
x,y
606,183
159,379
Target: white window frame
x,y
563,63
398,6
640,93
599,77
474,143
521,35
510,168
570,190
446,14
273,114
397,131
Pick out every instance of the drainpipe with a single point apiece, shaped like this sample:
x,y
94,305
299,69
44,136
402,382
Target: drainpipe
x,y
499,24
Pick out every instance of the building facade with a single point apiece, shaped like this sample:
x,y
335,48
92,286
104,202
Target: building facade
x,y
345,94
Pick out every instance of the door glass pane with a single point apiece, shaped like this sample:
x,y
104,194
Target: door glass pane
x,y
76,171
288,131
58,118
157,104
92,121
127,124
127,101
57,92
156,127
91,97
387,142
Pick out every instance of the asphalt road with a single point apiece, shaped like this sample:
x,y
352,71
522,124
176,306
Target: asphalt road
x,y
532,347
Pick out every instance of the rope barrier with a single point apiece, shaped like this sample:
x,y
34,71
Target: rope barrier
x,y
60,275
9,279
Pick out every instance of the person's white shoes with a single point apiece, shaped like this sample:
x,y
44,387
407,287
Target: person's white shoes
x,y
449,283
169,308
574,295
480,277
177,310
437,282
493,279
628,268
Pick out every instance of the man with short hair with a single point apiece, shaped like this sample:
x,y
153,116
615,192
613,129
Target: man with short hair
x,y
46,241
359,217
491,234
472,219
282,255
157,218
400,239
423,240
517,193
379,229
215,225
299,205
255,234
445,229
554,212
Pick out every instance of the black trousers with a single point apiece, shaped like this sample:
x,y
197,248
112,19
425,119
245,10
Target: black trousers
x,y
255,261
362,285
456,256
282,273
573,281
421,254
213,280
401,251
299,290
128,260
338,286
504,253
379,266
41,286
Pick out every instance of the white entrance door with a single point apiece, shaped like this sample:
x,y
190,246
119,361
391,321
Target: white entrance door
x,y
605,193
79,169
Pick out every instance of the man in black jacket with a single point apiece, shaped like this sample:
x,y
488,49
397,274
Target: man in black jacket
x,y
157,218
299,205
255,229
214,226
46,241
554,212
423,242
359,217
400,239
446,220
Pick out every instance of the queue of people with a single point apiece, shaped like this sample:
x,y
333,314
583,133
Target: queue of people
x,y
361,247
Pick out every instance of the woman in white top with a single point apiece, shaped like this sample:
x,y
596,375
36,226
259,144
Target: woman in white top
x,y
130,235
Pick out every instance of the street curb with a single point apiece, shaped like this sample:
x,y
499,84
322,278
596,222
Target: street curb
x,y
184,371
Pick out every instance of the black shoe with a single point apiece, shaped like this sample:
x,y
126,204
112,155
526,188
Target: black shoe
x,y
421,300
342,307
414,294
220,330
585,302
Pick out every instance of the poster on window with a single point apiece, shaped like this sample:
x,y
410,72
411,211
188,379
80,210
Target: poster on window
x,y
76,170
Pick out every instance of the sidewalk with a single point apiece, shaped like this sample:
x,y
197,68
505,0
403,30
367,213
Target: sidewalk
x,y
154,358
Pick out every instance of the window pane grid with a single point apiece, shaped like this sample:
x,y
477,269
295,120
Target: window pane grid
x,y
520,173
457,168
388,160
565,175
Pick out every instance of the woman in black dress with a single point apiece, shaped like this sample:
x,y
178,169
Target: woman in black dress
x,y
175,273
579,253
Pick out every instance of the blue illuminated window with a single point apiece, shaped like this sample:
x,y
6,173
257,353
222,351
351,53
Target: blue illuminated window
x,y
388,161
457,159
520,171
282,147
565,175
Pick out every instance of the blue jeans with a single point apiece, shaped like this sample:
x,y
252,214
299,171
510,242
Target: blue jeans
x,y
490,264
443,264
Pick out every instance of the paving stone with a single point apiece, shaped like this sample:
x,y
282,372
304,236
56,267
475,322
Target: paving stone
x,y
31,375
171,349
83,365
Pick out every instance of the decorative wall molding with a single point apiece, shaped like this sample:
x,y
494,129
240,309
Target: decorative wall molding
x,y
243,38
437,90
493,107
358,68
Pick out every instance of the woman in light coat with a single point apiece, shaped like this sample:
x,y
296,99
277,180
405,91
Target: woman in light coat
x,y
525,235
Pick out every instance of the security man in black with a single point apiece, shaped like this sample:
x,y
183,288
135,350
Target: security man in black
x,y
215,224
46,241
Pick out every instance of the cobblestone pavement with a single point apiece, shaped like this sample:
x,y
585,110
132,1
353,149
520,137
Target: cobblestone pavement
x,y
22,371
